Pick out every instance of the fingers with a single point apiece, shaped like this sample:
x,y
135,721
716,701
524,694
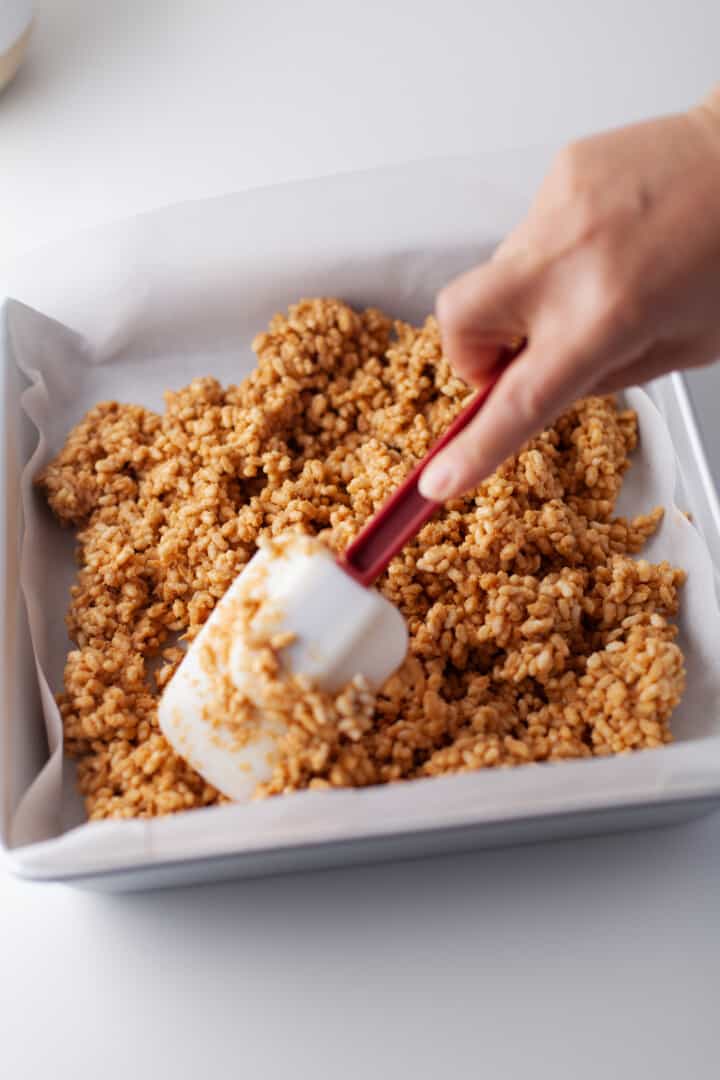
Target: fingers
x,y
531,393
480,311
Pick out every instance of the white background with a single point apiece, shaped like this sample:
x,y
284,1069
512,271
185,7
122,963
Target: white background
x,y
579,959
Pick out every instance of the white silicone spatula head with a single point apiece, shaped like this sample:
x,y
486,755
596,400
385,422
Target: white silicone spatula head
x,y
335,629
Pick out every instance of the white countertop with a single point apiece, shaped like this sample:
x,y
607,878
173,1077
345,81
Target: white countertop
x,y
578,959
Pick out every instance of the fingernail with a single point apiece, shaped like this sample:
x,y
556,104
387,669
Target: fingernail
x,y
439,481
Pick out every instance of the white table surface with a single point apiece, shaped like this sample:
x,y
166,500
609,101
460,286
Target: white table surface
x,y
580,959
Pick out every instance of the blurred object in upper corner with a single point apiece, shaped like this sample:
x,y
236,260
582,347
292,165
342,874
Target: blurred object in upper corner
x,y
15,30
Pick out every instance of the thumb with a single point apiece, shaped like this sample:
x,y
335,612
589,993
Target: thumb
x,y
529,395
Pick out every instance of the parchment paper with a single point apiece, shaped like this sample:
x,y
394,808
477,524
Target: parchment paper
x,y
150,304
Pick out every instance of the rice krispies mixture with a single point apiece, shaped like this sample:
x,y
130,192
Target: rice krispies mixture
x,y
534,635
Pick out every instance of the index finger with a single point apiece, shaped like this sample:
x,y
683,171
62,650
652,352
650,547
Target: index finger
x,y
480,311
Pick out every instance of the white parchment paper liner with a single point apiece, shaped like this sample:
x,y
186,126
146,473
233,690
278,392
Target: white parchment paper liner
x,y
180,293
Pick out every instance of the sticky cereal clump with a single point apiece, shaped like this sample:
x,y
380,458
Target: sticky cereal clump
x,y
534,634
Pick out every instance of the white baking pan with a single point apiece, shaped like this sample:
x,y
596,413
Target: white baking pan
x,y
150,302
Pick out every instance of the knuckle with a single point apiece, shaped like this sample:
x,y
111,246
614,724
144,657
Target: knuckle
x,y
569,167
619,316
586,215
446,306
575,183
459,305
616,302
526,401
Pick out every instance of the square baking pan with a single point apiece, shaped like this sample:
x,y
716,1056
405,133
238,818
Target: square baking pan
x,y
311,829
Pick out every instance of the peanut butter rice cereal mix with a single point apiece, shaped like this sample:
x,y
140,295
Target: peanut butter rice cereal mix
x,y
534,634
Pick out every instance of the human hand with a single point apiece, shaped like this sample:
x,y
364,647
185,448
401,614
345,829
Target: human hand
x,y
613,279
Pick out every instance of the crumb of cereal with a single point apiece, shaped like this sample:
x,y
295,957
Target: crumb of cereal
x,y
534,636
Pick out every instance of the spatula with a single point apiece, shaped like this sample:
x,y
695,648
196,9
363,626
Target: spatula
x,y
337,627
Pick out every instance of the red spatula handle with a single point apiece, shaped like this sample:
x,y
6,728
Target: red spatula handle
x,y
406,511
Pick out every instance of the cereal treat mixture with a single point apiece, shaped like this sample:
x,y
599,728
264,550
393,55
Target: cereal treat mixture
x,y
534,633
